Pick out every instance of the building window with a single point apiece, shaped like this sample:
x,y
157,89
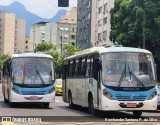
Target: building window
x,y
61,28
73,37
73,29
105,7
99,36
66,29
100,10
100,23
104,20
105,35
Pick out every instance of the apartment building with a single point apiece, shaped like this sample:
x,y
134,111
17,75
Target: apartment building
x,y
84,12
7,33
70,16
103,26
37,35
93,23
20,25
12,33
59,33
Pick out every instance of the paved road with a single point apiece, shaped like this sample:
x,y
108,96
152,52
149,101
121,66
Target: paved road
x,y
60,112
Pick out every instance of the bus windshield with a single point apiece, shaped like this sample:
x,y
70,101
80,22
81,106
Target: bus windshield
x,y
32,70
128,69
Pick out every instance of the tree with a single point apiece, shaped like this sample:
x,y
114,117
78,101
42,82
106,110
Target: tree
x,y
134,20
2,59
45,46
69,50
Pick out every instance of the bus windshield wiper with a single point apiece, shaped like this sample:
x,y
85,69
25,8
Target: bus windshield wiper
x,y
135,77
122,75
40,76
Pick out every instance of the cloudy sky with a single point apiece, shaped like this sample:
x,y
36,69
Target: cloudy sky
x,y
42,8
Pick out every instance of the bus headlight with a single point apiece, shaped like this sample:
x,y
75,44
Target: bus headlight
x,y
152,95
15,90
51,90
108,95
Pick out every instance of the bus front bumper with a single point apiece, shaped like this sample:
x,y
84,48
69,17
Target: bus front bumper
x,y
115,105
48,98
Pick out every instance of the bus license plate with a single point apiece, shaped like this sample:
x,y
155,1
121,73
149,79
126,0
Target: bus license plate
x,y
33,98
131,104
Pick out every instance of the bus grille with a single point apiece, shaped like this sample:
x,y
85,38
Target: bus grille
x,y
33,92
130,98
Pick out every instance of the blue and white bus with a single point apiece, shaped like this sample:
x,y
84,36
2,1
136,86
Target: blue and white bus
x,y
111,78
29,77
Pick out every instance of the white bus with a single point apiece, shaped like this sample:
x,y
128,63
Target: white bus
x,y
111,78
29,77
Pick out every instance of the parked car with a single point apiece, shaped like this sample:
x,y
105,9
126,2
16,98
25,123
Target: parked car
x,y
58,86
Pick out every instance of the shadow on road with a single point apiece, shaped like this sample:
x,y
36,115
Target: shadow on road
x,y
23,105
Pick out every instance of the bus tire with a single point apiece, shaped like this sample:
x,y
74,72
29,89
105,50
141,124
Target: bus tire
x,y
45,105
137,113
91,108
71,105
5,100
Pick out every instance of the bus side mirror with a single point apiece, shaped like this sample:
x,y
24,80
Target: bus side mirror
x,y
63,3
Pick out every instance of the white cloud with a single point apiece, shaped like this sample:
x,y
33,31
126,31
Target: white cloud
x,y
42,8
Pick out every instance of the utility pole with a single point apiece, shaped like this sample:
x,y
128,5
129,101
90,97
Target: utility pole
x,y
61,44
33,37
144,30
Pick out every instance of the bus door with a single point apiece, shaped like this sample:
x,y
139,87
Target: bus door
x,y
96,75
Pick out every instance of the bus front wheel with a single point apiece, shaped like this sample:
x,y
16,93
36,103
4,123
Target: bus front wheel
x,y
45,105
137,113
5,100
71,105
91,106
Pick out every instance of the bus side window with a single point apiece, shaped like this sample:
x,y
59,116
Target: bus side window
x,y
68,68
76,68
91,67
87,66
73,69
83,67
79,67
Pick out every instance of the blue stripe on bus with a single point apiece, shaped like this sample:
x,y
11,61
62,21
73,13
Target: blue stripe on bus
x,y
130,95
34,91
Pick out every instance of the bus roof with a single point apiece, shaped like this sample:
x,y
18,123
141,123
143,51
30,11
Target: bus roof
x,y
31,55
101,50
